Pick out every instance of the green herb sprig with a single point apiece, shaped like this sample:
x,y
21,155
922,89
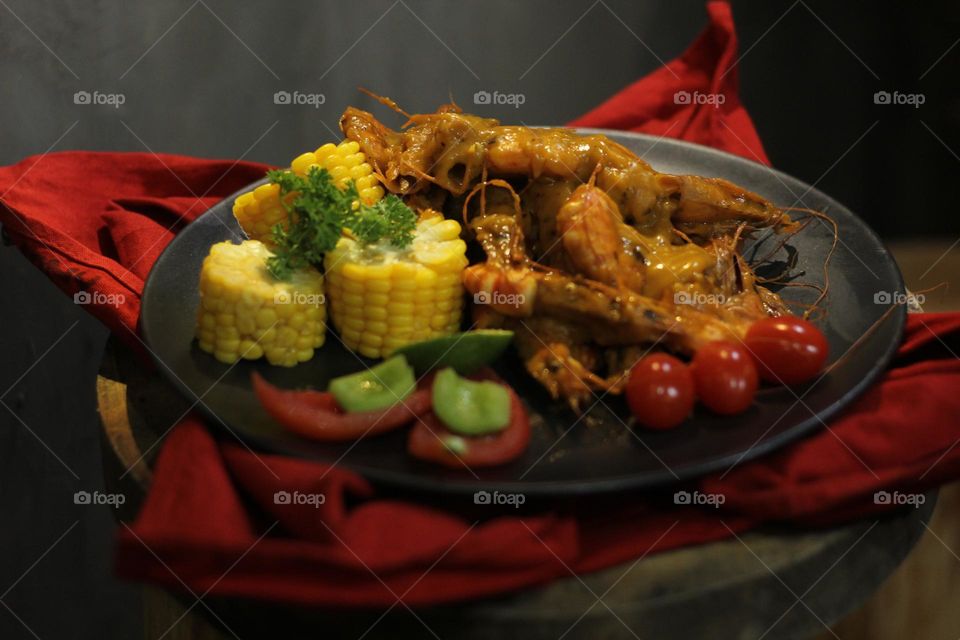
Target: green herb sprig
x,y
319,212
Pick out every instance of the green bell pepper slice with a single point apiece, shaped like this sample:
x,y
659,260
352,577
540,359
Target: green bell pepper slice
x,y
376,388
469,407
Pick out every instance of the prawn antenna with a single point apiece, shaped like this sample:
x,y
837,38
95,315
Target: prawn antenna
x,y
453,103
387,102
832,225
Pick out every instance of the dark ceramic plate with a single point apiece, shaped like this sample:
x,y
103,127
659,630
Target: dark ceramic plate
x,y
566,456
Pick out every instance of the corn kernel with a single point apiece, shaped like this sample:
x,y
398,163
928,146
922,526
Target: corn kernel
x,y
246,325
325,150
371,340
266,318
302,163
375,328
353,323
375,313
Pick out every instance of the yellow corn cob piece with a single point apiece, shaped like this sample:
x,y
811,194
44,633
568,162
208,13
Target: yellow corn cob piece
x,y
345,162
382,298
259,210
246,313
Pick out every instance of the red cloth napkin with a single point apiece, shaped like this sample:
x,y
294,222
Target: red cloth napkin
x,y
96,222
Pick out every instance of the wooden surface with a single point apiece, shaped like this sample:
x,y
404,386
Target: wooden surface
x,y
927,264
919,599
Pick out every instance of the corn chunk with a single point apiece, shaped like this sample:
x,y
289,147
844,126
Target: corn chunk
x,y
382,298
246,313
258,211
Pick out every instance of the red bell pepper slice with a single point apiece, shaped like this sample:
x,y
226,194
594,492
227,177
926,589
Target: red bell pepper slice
x,y
316,415
429,437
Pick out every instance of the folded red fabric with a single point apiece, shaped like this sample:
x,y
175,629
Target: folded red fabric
x,y
95,222
695,97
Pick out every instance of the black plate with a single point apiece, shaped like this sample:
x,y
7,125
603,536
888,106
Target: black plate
x,y
599,453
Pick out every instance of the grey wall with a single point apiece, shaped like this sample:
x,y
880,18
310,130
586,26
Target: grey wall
x,y
206,88
200,78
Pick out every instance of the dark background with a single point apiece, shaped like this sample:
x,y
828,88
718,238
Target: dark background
x,y
199,79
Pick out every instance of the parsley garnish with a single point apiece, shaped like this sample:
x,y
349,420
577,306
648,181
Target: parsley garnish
x,y
319,213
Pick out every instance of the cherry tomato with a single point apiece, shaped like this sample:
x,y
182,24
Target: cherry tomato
x,y
787,350
660,391
725,377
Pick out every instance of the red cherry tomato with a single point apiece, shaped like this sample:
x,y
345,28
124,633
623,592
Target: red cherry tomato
x,y
787,350
725,377
660,391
